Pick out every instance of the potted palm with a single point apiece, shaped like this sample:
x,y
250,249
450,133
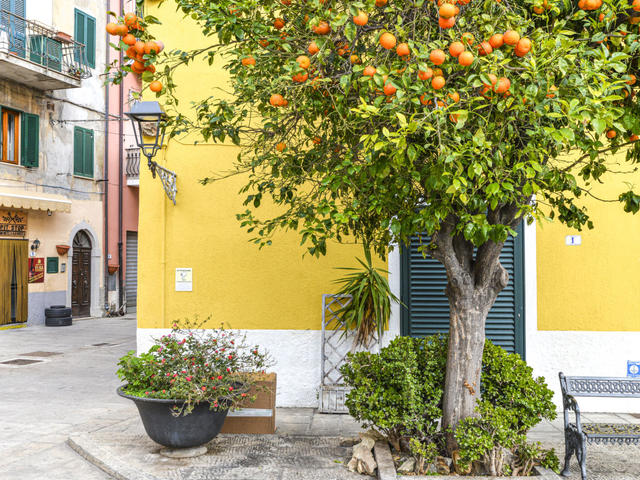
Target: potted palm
x,y
189,379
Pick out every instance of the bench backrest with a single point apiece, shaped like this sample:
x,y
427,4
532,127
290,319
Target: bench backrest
x,y
600,386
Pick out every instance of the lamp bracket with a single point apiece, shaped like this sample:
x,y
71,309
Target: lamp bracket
x,y
167,177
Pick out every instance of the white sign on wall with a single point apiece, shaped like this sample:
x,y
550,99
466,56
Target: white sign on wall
x,y
184,280
573,240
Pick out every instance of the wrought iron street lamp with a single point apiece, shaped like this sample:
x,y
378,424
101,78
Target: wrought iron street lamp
x,y
147,119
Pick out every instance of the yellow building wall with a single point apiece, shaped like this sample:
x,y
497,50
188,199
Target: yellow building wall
x,y
594,286
233,280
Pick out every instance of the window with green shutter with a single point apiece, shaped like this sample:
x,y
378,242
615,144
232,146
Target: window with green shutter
x,y
426,307
85,33
83,152
30,141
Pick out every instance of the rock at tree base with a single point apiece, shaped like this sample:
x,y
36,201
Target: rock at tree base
x,y
362,460
443,465
408,466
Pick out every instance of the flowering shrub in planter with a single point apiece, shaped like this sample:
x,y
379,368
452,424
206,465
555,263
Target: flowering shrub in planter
x,y
195,365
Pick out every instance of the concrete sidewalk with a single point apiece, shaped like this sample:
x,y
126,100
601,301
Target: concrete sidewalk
x,y
69,393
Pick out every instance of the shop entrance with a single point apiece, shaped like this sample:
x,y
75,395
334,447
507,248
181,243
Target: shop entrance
x,y
14,292
81,275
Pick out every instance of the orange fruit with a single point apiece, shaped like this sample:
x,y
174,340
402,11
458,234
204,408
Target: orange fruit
x,y
447,10
112,28
465,59
503,85
150,47
281,146
313,48
122,30
468,38
437,57
611,133
354,59
317,140
248,61
381,3
150,68
425,74
632,79
511,37
369,71
130,19
636,5
139,47
278,23
438,82
633,138
455,97
389,89
522,47
131,52
456,48
322,28
445,23
361,19
264,43
276,100
402,50
300,77
286,3
496,40
303,61
155,86
387,40
424,100
484,48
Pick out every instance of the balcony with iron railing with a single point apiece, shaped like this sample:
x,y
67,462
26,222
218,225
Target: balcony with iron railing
x,y
38,56
133,166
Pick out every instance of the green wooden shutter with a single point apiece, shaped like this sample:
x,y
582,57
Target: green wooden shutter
x,y
78,151
90,37
427,308
30,136
88,153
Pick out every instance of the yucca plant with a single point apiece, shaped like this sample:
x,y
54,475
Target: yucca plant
x,y
370,306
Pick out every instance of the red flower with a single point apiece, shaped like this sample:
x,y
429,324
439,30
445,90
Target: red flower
x,y
244,395
219,377
204,389
230,389
230,357
188,379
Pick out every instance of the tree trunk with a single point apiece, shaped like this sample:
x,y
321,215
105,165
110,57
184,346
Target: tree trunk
x,y
469,308
475,278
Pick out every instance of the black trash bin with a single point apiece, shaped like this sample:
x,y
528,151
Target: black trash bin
x,y
57,316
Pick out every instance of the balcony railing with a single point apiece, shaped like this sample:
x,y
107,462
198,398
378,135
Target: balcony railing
x,y
37,55
132,169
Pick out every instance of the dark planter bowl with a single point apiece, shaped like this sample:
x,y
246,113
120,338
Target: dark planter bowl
x,y
199,427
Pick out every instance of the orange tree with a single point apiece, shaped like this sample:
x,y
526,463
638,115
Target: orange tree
x,y
382,119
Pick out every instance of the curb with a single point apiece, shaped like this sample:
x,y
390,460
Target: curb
x,y
90,451
387,469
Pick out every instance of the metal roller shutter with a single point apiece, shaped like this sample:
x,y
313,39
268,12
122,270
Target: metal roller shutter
x,y
427,308
131,273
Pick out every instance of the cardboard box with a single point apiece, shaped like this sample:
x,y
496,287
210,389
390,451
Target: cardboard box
x,y
256,417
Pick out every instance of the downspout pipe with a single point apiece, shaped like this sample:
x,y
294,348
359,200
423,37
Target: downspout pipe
x,y
120,174
106,167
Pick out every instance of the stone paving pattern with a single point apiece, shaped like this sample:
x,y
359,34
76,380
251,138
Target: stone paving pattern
x,y
72,394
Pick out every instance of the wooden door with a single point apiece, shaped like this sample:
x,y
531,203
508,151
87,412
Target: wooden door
x,y
81,276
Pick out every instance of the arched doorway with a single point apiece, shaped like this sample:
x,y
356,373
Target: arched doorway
x,y
81,275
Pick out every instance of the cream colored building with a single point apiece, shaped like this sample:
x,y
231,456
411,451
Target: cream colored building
x,y
52,103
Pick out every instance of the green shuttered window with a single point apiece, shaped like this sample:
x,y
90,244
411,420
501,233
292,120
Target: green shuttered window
x,y
30,140
85,33
83,152
427,307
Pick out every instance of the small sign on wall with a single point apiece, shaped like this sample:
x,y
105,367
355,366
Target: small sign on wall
x,y
633,368
184,280
573,240
36,270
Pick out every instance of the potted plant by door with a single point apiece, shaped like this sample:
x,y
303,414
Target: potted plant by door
x,y
188,381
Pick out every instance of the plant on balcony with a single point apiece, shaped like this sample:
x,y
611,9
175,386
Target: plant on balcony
x,y
367,314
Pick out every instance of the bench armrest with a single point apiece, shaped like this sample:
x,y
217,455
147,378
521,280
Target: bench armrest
x,y
570,403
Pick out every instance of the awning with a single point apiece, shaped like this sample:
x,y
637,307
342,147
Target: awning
x,y
35,201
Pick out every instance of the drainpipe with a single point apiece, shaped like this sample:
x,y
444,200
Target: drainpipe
x,y
120,173
106,169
